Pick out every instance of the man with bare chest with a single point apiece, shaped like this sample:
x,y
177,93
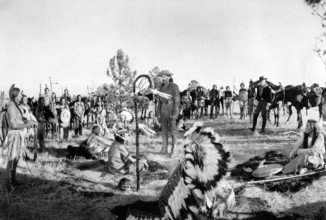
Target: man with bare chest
x,y
15,140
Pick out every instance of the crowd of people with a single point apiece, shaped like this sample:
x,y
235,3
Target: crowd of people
x,y
26,119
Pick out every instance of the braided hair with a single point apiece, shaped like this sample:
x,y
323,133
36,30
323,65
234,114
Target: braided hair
x,y
311,125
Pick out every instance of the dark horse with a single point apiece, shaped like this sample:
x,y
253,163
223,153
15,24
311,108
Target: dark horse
x,y
293,94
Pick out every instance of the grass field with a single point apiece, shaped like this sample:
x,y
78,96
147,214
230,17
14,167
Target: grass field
x,y
55,189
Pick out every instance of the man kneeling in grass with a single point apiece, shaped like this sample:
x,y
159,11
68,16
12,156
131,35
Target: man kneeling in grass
x,y
92,147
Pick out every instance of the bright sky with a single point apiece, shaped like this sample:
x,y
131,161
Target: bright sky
x,y
210,41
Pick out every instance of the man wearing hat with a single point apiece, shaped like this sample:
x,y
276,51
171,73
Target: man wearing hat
x,y
168,109
264,98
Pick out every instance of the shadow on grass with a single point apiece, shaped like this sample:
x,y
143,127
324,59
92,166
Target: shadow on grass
x,y
57,152
38,198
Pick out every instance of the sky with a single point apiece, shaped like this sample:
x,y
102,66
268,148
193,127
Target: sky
x,y
213,41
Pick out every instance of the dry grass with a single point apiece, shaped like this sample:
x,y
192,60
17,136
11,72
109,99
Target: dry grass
x,y
54,189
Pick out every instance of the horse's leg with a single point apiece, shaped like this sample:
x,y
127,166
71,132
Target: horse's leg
x,y
52,129
290,113
277,116
274,112
268,115
299,118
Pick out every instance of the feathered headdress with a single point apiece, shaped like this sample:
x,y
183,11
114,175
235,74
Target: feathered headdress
x,y
197,187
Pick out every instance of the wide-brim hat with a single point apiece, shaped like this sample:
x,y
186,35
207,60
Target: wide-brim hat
x,y
262,78
164,73
122,133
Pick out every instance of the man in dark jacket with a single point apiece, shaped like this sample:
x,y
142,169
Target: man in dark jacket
x,y
43,114
264,98
168,110
215,101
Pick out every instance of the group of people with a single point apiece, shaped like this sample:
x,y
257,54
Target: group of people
x,y
110,130
215,102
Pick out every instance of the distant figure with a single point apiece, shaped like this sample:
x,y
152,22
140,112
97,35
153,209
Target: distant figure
x,y
47,97
228,102
243,98
168,110
64,120
40,113
79,109
222,99
15,139
215,101
200,99
27,115
251,99
152,122
67,96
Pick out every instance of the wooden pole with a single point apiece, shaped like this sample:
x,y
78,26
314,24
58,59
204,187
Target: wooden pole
x,y
137,127
285,178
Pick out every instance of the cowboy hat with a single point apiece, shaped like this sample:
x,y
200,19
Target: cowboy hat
x,y
262,78
164,73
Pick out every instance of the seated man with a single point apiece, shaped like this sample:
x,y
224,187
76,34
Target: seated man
x,y
309,150
119,158
104,130
92,147
152,122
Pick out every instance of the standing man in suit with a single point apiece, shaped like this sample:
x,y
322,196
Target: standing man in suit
x,y
168,110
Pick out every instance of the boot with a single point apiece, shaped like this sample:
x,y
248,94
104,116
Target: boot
x,y
164,149
264,124
254,123
174,141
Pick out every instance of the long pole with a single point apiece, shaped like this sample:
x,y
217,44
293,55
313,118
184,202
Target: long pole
x,y
137,127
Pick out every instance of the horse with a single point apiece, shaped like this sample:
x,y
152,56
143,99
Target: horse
x,y
293,94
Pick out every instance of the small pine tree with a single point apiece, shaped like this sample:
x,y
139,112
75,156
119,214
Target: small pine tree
x,y
155,80
193,85
122,77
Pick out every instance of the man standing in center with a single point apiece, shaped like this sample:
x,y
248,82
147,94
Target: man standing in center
x,y
168,110
264,98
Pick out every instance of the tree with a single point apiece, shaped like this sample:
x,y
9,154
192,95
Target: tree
x,y
122,77
155,80
319,8
193,85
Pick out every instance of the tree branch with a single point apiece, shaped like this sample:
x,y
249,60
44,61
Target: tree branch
x,y
317,12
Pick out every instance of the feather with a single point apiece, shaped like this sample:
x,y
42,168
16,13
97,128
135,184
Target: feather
x,y
13,86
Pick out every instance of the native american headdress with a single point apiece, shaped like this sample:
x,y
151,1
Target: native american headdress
x,y
197,188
